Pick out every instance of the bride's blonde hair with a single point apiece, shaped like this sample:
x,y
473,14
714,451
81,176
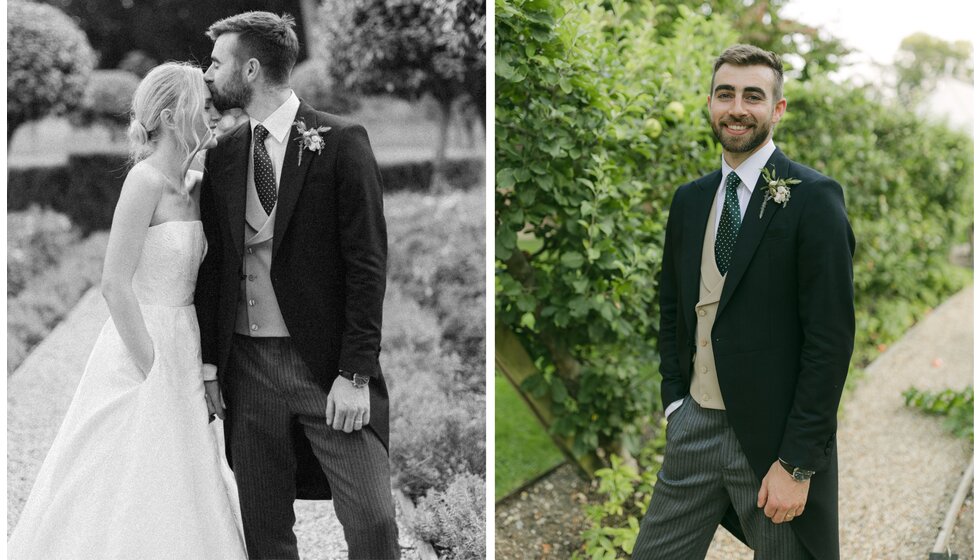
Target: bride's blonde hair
x,y
169,95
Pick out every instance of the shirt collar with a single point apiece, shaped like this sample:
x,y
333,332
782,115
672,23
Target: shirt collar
x,y
751,168
280,121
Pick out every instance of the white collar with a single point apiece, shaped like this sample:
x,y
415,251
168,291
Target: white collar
x,y
751,168
281,120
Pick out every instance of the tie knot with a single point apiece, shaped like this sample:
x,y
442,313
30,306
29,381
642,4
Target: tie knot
x,y
732,181
261,133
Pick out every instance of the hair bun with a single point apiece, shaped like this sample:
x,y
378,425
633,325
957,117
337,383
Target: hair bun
x,y
138,133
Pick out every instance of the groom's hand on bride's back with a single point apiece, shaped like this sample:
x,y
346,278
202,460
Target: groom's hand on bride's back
x,y
348,407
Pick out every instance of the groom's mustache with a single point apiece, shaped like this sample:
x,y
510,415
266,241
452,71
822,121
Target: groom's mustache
x,y
749,122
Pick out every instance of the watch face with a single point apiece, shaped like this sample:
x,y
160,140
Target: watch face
x,y
802,475
360,380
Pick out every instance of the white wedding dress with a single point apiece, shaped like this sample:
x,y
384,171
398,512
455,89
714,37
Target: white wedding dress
x,y
136,471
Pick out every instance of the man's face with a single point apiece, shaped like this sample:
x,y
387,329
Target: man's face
x,y
225,77
742,107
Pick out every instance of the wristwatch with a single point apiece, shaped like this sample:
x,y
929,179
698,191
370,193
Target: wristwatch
x,y
357,380
798,474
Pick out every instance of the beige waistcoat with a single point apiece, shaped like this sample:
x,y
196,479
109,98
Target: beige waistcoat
x,y
258,308
704,380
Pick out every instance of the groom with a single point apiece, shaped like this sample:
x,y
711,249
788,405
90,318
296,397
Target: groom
x,y
756,333
289,298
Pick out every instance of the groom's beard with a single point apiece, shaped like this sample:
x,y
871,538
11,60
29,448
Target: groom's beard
x,y
742,144
237,95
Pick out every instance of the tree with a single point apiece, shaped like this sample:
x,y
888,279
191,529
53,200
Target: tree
x,y
410,48
808,51
48,63
922,60
164,29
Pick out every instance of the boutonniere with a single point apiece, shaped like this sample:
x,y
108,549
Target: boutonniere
x,y
777,189
309,139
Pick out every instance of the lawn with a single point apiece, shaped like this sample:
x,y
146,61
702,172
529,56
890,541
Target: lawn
x,y
523,449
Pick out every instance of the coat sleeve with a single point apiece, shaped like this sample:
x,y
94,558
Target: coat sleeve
x,y
673,385
826,309
206,294
364,249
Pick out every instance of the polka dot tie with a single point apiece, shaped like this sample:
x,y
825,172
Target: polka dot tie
x,y
731,219
265,175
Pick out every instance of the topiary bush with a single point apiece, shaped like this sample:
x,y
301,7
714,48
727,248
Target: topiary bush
x,y
48,63
313,84
108,99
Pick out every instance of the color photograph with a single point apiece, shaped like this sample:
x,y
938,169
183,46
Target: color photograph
x,y
734,280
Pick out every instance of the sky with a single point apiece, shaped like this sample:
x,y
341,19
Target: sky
x,y
875,29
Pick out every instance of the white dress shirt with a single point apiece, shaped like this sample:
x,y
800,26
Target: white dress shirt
x,y
749,172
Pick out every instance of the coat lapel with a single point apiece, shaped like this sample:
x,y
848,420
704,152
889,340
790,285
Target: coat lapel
x,y
753,227
234,181
693,243
293,173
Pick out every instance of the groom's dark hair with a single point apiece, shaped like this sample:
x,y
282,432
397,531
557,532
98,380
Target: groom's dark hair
x,y
750,55
264,36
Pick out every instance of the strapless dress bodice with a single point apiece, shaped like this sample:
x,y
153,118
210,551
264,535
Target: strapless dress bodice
x,y
167,270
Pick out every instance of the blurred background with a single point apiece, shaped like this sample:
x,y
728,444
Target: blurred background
x,y
600,116
411,71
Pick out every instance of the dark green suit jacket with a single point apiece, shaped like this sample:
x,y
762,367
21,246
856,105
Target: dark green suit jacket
x,y
783,333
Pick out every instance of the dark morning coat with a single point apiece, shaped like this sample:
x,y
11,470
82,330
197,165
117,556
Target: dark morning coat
x,y
328,262
783,334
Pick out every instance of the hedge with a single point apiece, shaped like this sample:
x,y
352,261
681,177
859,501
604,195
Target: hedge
x,y
87,187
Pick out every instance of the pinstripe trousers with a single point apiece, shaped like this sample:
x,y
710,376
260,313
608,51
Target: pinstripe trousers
x,y
704,471
268,389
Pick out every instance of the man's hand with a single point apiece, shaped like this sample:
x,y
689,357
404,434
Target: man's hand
x,y
348,408
216,403
782,497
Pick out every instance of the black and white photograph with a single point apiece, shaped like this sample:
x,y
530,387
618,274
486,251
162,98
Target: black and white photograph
x,y
246,295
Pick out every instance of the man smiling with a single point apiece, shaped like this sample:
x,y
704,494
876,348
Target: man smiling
x,y
756,333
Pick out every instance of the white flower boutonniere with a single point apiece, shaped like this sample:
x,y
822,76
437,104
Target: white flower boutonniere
x,y
777,189
309,139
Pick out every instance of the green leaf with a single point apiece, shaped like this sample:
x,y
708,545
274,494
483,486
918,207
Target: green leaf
x,y
572,259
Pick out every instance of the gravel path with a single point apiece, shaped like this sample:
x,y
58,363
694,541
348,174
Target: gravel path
x,y
898,467
38,395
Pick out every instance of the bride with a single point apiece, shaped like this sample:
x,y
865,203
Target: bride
x,y
135,470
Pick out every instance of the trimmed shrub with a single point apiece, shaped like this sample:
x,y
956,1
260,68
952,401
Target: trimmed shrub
x,y
454,519
44,186
41,305
36,239
48,63
88,187
96,181
313,84
416,176
108,99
